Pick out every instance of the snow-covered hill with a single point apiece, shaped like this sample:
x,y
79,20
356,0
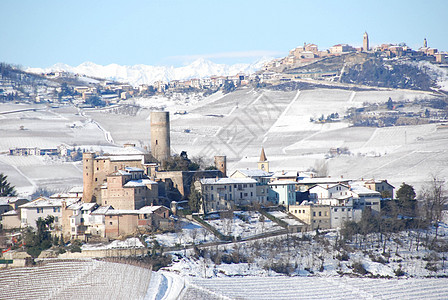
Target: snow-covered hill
x,y
144,74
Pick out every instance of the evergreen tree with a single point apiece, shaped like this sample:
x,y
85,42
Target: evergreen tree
x,y
406,199
194,199
6,190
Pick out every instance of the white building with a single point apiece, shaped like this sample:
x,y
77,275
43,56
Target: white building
x,y
225,193
337,191
42,207
262,178
364,197
282,192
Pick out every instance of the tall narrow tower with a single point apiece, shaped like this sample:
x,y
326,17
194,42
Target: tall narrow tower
x,y
221,164
87,176
365,42
425,43
160,135
263,164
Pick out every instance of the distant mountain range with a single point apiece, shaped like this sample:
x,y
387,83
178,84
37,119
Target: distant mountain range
x,y
144,74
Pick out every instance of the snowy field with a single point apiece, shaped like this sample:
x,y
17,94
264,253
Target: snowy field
x,y
187,233
236,125
244,224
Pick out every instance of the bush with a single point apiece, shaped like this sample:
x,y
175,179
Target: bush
x,y
399,272
343,256
359,268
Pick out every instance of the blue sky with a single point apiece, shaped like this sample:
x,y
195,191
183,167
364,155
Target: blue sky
x,y
42,33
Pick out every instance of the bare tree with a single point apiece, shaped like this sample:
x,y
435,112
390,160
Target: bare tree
x,y
434,199
321,168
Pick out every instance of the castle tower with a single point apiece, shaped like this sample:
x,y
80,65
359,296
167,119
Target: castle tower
x,y
263,164
365,42
425,43
221,164
160,135
87,177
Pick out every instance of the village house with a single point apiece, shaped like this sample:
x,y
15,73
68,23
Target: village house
x,y
42,207
315,216
382,186
262,178
125,222
225,193
282,192
366,198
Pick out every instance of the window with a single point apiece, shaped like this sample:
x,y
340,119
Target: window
x,y
320,214
110,223
335,210
211,188
314,213
56,219
230,188
343,209
40,210
326,213
295,210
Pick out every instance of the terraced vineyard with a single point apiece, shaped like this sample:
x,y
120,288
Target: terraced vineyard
x,y
317,288
80,279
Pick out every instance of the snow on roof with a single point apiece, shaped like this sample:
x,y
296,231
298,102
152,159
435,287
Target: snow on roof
x,y
253,172
282,182
322,180
112,212
125,157
81,206
120,172
139,182
133,169
361,190
47,202
227,180
101,210
8,200
127,151
329,186
76,189
280,174
11,213
151,209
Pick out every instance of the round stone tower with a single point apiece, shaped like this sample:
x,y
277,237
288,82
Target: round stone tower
x,y
221,164
160,135
88,175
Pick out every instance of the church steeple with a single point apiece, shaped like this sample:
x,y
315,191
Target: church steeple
x,y
263,164
263,155
425,43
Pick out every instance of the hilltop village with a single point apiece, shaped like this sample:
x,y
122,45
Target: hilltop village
x,y
339,64
131,191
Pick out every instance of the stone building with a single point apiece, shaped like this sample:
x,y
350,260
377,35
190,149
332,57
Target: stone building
x,y
160,135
